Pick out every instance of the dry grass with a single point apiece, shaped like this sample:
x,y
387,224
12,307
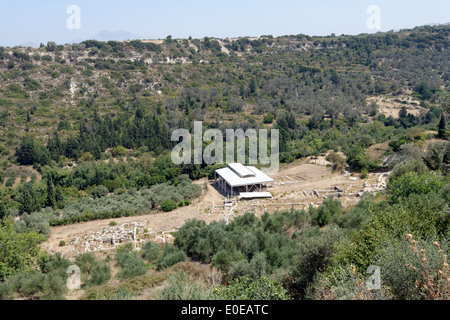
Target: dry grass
x,y
134,285
196,270
436,282
377,151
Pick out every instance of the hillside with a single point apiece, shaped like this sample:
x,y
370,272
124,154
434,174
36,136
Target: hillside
x,y
221,81
85,164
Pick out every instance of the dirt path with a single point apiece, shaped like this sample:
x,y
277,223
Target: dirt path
x,y
155,221
290,183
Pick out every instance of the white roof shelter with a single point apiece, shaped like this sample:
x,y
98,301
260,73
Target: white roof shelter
x,y
237,177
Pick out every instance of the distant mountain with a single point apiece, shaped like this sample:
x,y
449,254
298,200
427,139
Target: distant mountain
x,y
120,35
30,44
433,24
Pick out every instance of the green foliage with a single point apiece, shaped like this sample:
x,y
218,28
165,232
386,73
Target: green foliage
x,y
338,162
408,166
170,256
247,289
15,91
423,91
5,291
162,258
329,210
313,257
31,84
100,274
46,286
442,131
99,192
118,151
18,251
334,80
86,262
255,269
394,258
54,263
358,160
344,283
37,221
180,288
3,212
268,118
355,218
131,265
28,151
134,286
151,251
425,217
28,198
248,245
413,183
122,294
168,205
124,204
364,173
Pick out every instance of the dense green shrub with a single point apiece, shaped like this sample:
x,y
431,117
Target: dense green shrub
x,y
354,218
56,262
344,283
170,256
413,183
312,258
50,285
5,291
151,251
124,204
394,257
11,180
168,205
253,269
18,251
37,221
247,289
131,265
99,192
27,284
408,166
329,210
100,274
239,245
86,262
118,151
425,217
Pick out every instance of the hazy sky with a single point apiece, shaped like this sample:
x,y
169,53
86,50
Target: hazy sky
x,y
45,20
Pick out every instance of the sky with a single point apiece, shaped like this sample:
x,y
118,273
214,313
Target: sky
x,y
40,21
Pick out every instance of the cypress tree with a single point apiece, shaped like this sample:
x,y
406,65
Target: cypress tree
x,y
27,153
51,198
2,210
441,128
28,199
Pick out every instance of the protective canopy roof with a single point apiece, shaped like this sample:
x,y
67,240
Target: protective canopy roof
x,y
237,175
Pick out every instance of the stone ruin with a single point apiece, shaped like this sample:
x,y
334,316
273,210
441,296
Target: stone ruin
x,y
376,182
108,238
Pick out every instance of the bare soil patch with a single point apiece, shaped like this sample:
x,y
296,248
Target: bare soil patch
x,y
391,106
376,151
293,188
